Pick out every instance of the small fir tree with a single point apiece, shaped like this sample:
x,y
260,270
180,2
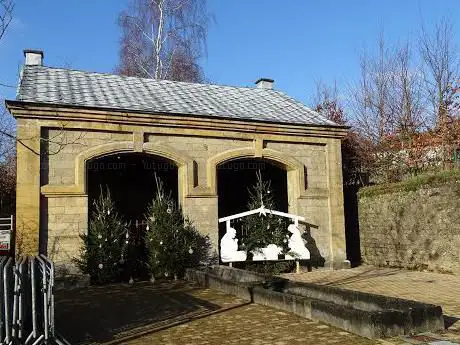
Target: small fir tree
x,y
261,230
103,252
172,241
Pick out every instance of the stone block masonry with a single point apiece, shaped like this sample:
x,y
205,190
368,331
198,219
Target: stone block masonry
x,y
52,203
66,218
412,229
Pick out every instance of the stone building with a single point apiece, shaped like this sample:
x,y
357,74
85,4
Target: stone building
x,y
78,131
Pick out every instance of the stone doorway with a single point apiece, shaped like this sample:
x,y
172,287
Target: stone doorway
x,y
130,178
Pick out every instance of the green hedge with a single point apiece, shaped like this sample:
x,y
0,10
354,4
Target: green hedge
x,y
412,184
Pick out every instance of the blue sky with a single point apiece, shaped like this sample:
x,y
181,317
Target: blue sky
x,y
295,42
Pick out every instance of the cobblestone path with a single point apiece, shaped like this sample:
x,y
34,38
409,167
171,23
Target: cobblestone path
x,y
252,324
176,313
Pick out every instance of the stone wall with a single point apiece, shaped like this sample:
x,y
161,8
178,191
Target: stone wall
x,y
312,156
64,219
63,145
52,199
412,229
199,148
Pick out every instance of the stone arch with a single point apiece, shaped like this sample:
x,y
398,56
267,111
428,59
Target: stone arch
x,y
97,151
294,168
295,173
214,161
183,162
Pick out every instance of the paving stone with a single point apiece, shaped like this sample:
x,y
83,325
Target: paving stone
x,y
177,313
429,287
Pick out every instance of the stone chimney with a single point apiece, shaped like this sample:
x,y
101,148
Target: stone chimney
x,y
33,57
265,83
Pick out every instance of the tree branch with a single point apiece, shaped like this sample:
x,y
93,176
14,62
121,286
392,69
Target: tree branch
x,y
6,15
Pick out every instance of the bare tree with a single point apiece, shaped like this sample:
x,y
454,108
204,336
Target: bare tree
x,y
7,136
441,67
408,112
7,186
370,96
7,163
355,156
406,103
8,139
164,39
326,102
441,71
6,121
6,15
389,109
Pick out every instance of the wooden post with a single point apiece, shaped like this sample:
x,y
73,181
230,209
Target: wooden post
x,y
297,266
230,264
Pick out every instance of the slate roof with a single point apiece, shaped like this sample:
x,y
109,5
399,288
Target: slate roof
x,y
40,84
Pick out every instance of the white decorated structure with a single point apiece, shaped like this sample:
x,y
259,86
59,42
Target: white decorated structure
x,y
229,247
229,243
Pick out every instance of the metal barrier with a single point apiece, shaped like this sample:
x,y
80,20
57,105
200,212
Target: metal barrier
x,y
27,301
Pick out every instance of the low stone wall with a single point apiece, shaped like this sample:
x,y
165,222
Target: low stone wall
x,y
368,315
367,323
233,281
414,229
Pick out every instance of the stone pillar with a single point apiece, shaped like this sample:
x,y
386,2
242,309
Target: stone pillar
x,y
292,188
28,187
338,253
202,210
67,219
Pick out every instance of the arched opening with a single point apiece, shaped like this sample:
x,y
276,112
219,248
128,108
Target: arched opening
x,y
235,178
130,178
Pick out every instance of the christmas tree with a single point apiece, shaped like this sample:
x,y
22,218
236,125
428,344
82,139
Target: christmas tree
x,y
103,252
173,243
260,230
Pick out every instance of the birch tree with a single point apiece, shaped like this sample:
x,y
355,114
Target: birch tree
x,y
164,39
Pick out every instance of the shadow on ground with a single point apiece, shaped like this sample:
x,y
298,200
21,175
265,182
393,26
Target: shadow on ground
x,y
105,313
353,277
362,276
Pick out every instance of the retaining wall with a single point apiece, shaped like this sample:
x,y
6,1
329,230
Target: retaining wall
x,y
412,229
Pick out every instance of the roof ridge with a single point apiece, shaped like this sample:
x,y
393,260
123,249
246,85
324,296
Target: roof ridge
x,y
161,81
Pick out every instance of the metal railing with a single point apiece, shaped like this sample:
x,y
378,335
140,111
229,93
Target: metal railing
x,y
27,301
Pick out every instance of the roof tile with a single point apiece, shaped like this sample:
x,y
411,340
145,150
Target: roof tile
x,y
58,86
